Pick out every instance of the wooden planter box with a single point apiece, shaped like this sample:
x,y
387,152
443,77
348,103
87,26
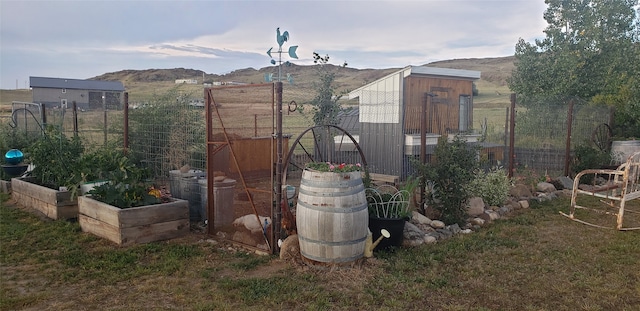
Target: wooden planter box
x,y
134,225
53,203
5,186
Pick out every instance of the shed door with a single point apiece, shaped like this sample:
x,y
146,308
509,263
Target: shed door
x,y
465,107
440,111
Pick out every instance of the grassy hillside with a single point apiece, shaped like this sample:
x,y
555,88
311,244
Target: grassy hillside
x,y
143,84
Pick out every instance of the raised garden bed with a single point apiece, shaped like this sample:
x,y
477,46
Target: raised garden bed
x,y
135,225
53,203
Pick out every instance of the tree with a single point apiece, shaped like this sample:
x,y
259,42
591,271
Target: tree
x,y
591,50
325,104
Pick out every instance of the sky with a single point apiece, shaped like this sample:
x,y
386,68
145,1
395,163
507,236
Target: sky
x,y
81,39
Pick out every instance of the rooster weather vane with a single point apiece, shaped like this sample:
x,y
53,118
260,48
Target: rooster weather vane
x,y
281,38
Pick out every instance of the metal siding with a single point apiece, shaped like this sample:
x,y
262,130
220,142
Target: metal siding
x,y
445,72
380,102
62,83
382,145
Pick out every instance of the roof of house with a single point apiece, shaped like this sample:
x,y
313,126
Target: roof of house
x,y
63,83
446,73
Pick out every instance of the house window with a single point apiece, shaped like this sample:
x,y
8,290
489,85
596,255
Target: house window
x,y
465,107
63,103
64,91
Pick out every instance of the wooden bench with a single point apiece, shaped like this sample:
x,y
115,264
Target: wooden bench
x,y
617,186
383,178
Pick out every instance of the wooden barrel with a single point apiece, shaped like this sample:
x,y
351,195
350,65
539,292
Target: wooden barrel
x,y
332,217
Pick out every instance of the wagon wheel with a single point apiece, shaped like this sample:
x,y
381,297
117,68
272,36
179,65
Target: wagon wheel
x,y
323,143
601,137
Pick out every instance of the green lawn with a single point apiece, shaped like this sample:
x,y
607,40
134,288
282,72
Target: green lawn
x,y
534,260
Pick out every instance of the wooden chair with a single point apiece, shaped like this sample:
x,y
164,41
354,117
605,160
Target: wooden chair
x,y
614,187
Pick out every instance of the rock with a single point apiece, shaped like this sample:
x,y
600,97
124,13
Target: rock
x,y
420,219
477,221
492,215
567,183
475,206
444,233
504,210
466,231
412,232
485,217
524,203
520,191
425,228
512,204
437,224
290,248
545,187
435,235
455,228
429,239
212,241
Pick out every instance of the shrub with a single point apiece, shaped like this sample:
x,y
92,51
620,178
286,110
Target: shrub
x,y
492,186
587,157
450,173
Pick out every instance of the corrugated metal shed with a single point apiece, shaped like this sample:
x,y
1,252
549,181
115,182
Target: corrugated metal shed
x,y
390,110
418,70
75,84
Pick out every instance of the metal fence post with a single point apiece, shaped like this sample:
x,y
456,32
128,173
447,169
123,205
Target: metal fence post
x,y
512,126
567,150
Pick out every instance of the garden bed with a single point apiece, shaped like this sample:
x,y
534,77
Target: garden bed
x,y
134,225
53,203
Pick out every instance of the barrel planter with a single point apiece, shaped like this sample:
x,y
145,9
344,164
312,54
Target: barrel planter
x,y
332,217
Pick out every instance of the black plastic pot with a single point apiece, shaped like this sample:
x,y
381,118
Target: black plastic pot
x,y
395,226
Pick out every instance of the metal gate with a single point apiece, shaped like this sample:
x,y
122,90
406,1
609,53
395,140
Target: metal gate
x,y
241,158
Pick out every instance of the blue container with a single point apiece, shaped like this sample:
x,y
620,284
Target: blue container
x,y
13,156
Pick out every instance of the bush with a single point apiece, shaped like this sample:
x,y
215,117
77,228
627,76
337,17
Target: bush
x,y
492,186
450,173
587,157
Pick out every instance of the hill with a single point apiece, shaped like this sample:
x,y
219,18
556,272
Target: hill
x,y
142,84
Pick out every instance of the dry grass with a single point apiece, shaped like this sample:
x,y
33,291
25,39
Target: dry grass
x,y
534,260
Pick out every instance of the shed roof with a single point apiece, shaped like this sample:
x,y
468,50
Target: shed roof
x,y
63,83
446,73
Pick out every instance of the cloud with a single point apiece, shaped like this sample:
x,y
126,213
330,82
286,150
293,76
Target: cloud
x,y
81,39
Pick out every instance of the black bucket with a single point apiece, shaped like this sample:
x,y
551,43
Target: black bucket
x,y
395,226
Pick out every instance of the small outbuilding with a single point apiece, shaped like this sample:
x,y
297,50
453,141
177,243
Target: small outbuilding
x,y
391,113
88,94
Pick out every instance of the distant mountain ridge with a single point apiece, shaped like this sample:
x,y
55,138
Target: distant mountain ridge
x,y
493,70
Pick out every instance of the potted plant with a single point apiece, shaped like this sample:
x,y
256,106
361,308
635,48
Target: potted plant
x,y
128,210
389,208
51,186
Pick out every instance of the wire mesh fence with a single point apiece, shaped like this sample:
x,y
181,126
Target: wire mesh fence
x,y
546,132
168,132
